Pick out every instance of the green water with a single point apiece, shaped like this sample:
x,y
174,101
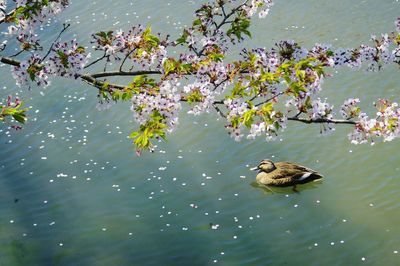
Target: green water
x,y
110,207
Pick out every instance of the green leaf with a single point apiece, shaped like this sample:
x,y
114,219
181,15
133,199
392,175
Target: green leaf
x,y
21,118
235,121
267,108
183,38
169,66
134,134
196,22
195,97
216,57
248,118
238,90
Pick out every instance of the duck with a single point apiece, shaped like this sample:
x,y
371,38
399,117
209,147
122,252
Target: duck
x,y
284,174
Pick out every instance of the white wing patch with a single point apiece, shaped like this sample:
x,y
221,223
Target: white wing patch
x,y
304,176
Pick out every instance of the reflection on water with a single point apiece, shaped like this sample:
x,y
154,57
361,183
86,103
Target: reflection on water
x,y
84,198
268,190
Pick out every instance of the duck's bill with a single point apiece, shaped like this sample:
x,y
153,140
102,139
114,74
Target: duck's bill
x,y
254,168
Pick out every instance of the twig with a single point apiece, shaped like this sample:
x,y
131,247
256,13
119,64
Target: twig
x,y
65,27
96,61
219,84
269,99
126,57
223,10
219,111
226,17
17,54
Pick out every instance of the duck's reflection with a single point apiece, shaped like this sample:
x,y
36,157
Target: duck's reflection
x,y
268,190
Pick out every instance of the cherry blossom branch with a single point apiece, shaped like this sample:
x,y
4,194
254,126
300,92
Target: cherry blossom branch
x,y
123,73
10,61
322,121
65,27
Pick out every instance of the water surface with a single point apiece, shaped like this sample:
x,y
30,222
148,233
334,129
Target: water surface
x,y
72,191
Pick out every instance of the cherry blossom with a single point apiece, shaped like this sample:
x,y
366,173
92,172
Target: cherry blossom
x,y
30,70
67,60
350,108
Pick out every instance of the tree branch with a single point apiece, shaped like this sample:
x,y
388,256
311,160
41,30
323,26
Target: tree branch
x,y
120,73
92,80
9,61
322,121
99,84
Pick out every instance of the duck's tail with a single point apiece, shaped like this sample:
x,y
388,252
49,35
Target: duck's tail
x,y
309,176
316,176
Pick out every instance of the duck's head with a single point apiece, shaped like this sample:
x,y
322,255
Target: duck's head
x,y
264,166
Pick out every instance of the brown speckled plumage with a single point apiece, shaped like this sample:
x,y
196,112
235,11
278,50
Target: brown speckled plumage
x,y
284,174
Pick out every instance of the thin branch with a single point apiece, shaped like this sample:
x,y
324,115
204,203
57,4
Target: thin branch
x,y
65,27
220,83
322,121
226,17
269,99
126,57
192,48
223,10
96,61
17,54
219,111
298,114
220,102
106,63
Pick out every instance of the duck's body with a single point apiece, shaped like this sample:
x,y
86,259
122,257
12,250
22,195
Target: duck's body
x,y
284,174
